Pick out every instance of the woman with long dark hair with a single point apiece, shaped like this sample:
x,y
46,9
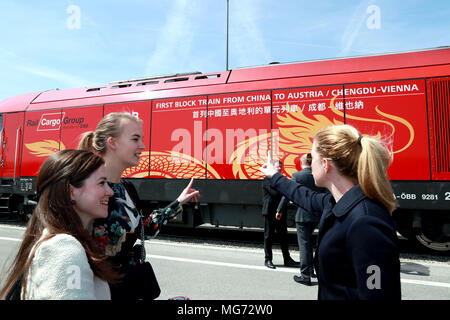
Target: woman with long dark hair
x,y
57,258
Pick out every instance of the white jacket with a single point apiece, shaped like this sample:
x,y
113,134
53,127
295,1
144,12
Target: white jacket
x,y
60,271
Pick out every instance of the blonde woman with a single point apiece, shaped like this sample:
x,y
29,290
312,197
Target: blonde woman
x,y
357,255
118,139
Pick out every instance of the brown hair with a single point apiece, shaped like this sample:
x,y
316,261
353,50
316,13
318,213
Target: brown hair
x,y
307,159
363,159
110,126
55,212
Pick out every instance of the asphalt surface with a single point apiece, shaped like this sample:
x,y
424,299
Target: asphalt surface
x,y
228,265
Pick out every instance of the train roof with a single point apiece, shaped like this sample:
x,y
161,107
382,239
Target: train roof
x,y
376,62
144,87
18,103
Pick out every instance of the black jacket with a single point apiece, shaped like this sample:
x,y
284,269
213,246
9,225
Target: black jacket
x,y
303,177
271,198
357,255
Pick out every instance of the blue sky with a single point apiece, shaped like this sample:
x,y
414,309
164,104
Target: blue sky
x,y
68,44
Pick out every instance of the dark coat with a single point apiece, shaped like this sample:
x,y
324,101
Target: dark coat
x,y
357,255
271,198
303,177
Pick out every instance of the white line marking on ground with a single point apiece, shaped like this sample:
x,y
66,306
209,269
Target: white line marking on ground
x,y
10,239
202,246
243,266
222,264
13,227
278,269
426,283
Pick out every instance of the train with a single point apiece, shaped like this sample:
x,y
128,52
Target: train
x,y
218,128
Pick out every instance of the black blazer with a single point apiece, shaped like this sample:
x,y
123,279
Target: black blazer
x,y
357,255
271,198
303,177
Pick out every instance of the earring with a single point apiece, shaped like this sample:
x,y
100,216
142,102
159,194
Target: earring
x,y
73,202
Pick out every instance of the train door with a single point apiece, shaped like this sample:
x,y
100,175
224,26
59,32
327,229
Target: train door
x,y
77,121
11,142
396,112
238,139
41,139
239,135
177,144
141,110
297,115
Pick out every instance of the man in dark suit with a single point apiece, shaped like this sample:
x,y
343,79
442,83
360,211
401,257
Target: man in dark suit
x,y
304,221
271,198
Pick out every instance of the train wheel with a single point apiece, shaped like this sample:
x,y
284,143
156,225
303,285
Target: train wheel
x,y
432,244
434,234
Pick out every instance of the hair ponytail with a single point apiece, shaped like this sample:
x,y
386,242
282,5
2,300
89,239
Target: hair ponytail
x,y
362,159
87,141
110,126
374,160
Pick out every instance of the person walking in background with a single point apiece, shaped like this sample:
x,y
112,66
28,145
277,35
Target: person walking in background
x,y
274,222
305,222
357,257
57,258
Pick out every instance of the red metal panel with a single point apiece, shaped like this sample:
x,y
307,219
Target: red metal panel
x,y
167,92
439,125
335,79
431,63
70,103
196,80
395,112
76,121
17,103
141,110
298,114
41,139
345,65
238,134
10,148
177,140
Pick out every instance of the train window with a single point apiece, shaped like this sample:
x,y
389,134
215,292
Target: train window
x,y
121,86
95,89
208,76
176,80
1,121
147,83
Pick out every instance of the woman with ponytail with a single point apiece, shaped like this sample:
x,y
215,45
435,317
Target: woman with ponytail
x,y
357,257
118,140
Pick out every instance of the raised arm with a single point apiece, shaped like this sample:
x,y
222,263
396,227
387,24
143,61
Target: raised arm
x,y
300,195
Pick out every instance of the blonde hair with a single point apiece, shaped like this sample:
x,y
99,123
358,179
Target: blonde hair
x,y
363,159
110,126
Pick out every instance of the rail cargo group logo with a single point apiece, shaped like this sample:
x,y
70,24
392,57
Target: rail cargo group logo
x,y
50,121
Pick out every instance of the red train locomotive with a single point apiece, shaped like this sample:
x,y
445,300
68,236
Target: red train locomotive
x,y
218,128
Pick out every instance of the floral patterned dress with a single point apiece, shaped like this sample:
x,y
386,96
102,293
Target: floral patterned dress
x,y
116,235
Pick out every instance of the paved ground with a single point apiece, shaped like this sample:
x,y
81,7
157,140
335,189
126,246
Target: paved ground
x,y
205,270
